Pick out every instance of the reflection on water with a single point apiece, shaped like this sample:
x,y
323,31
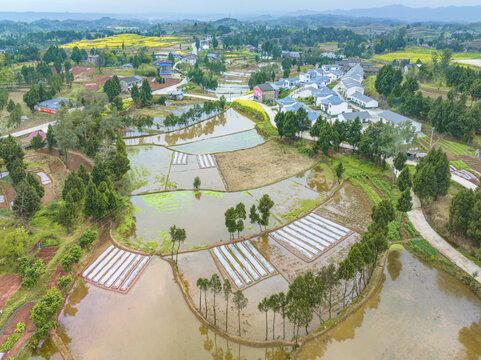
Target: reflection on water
x,y
226,123
243,140
152,321
419,312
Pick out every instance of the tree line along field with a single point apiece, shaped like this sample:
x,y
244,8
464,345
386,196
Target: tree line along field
x,y
425,55
128,40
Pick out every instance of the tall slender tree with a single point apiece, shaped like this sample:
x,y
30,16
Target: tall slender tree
x,y
216,288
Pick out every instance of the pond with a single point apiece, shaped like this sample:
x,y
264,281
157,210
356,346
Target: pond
x,y
419,312
229,122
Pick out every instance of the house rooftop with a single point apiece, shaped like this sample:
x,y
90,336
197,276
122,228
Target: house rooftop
x,y
395,117
357,114
362,97
53,103
265,87
132,80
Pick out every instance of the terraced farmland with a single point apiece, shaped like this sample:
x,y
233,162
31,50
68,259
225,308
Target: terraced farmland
x,y
116,269
242,263
310,236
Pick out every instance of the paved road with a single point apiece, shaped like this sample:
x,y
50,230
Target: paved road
x,y
417,218
42,127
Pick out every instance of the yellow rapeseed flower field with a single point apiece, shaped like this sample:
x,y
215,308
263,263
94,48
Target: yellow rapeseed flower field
x,y
129,40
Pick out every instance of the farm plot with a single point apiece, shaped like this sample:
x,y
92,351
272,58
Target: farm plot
x,y
465,174
206,161
179,158
183,175
116,269
242,263
44,179
310,236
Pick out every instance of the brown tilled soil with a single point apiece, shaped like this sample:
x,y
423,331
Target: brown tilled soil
x,y
22,316
74,160
58,273
47,254
261,165
9,284
8,193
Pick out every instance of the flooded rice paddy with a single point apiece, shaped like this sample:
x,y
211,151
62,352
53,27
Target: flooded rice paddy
x,y
419,312
242,140
229,122
155,213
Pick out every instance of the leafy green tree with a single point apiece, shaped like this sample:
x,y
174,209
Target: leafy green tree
x,y
67,212
283,302
404,203
339,172
37,142
72,256
279,120
118,103
474,228
13,245
31,269
203,285
135,94
460,210
50,138
230,221
254,216
10,106
64,281
263,306
15,116
216,288
73,182
31,97
91,200
76,55
346,273
145,93
196,183
215,42
264,207
404,179
400,161
425,182
119,165
240,302
383,213
17,170
26,202
43,312
275,306
83,174
227,289
87,237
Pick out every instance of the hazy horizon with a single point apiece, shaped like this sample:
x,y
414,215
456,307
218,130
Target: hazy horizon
x,y
155,8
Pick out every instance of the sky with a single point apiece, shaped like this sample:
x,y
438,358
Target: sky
x,y
232,7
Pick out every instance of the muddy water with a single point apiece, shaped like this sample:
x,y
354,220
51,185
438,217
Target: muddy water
x,y
243,140
229,122
419,312
152,321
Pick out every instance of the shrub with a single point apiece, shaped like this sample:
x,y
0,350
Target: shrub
x,y
72,256
8,344
146,70
20,327
64,281
31,269
87,238
43,312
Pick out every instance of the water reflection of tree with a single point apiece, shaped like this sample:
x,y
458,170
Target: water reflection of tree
x,y
79,293
194,131
394,264
470,337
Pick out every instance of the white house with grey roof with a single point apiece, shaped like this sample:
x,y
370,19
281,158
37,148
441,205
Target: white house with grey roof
x,y
389,116
349,86
349,117
333,105
363,100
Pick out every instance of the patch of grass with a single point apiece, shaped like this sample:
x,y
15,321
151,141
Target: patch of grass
x,y
455,148
459,164
425,55
424,246
305,206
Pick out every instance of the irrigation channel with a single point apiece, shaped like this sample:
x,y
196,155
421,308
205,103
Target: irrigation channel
x,y
417,312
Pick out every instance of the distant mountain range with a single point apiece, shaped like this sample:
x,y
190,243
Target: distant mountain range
x,y
397,13
449,14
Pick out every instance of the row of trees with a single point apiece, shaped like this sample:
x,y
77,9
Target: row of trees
x,y
195,113
215,286
290,124
206,80
432,176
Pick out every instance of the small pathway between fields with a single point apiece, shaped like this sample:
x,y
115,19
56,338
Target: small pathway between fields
x,y
417,218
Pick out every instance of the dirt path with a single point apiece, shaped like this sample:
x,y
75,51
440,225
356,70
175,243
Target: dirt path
x,y
419,221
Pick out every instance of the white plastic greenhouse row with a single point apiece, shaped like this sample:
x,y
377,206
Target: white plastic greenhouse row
x,y
206,161
179,158
115,268
243,263
310,235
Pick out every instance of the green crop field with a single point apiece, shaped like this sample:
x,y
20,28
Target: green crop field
x,y
425,55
